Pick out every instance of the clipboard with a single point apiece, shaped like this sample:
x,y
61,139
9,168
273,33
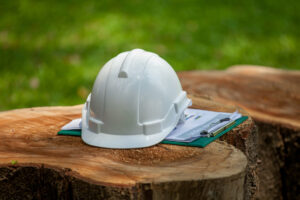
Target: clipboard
x,y
200,142
204,141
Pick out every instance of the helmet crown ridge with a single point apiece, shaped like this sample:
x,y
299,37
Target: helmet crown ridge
x,y
127,62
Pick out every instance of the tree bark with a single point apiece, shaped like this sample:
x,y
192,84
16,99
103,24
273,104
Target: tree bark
x,y
272,98
36,163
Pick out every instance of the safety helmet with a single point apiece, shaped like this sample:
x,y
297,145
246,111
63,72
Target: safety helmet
x,y
136,101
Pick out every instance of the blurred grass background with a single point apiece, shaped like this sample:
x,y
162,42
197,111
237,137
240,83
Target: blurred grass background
x,y
51,51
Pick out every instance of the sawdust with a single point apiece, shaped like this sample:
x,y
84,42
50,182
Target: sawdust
x,y
155,155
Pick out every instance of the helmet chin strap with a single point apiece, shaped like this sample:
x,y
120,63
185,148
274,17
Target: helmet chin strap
x,y
182,118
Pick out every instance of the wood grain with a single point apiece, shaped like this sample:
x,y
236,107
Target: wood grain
x,y
63,167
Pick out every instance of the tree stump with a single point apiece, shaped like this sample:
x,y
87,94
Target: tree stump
x,y
272,98
36,163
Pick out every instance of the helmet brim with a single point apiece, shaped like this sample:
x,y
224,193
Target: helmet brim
x,y
117,141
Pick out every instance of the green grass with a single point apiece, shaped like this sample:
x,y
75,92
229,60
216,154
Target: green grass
x,y
51,51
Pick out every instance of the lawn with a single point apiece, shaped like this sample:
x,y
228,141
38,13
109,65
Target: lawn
x,y
51,51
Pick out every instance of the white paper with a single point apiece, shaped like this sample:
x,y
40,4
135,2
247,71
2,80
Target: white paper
x,y
234,116
196,122
73,125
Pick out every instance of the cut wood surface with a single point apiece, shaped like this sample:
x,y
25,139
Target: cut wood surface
x,y
63,167
270,95
272,98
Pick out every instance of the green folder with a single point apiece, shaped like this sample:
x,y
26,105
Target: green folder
x,y
70,132
200,142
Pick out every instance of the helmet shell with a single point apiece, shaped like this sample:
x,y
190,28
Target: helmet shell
x,y
136,101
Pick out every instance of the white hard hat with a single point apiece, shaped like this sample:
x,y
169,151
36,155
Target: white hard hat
x,y
136,101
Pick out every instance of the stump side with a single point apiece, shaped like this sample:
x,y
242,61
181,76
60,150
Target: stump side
x,y
244,137
272,98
